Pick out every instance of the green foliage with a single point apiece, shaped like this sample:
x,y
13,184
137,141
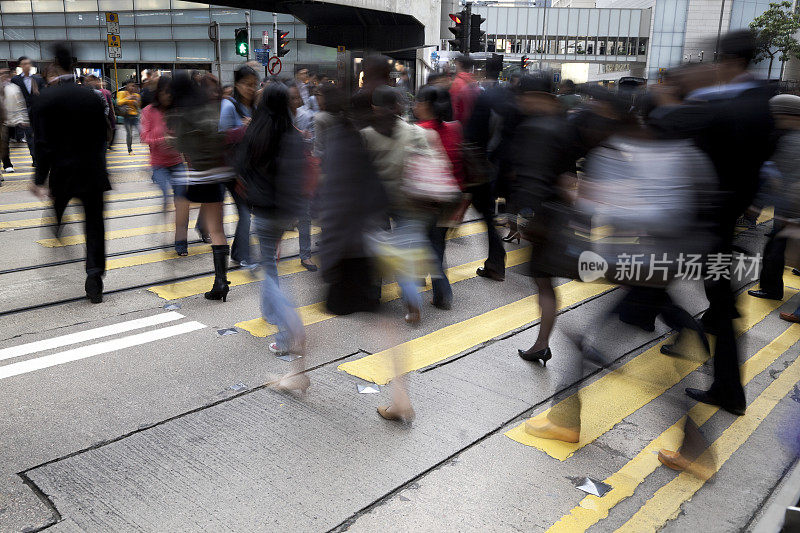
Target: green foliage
x,y
776,29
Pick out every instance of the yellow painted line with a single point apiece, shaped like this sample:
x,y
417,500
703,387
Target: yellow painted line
x,y
667,501
627,389
456,338
314,313
169,255
193,287
109,167
77,217
71,240
592,509
108,198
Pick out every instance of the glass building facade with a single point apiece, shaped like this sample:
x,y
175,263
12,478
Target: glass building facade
x,y
568,34
155,34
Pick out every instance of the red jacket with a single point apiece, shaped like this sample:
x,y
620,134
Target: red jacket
x,y
450,134
463,93
153,132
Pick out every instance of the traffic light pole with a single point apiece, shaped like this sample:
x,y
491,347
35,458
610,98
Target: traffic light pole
x,y
249,38
274,34
467,27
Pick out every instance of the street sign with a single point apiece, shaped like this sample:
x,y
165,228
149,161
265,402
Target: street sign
x,y
262,55
340,49
112,22
114,46
556,77
265,38
274,66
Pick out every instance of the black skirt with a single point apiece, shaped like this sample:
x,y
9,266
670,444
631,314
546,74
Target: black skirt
x,y
206,193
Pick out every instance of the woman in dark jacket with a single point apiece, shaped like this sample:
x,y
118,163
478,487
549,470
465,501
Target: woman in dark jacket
x,y
272,165
194,120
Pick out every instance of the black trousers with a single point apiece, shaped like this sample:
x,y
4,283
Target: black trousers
x,y
773,261
6,154
719,319
483,200
94,227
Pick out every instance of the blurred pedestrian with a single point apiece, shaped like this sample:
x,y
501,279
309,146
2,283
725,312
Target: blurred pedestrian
x,y
488,151
432,107
30,84
271,162
166,162
464,90
149,88
567,96
303,122
111,116
546,152
15,115
235,115
194,119
70,130
130,103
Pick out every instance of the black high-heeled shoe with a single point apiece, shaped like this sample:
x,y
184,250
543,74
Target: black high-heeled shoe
x,y
219,291
539,355
511,237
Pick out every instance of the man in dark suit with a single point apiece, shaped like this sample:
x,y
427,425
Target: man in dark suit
x,y
30,85
70,132
731,122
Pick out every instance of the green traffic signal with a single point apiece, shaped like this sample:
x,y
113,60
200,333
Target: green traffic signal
x,y
242,46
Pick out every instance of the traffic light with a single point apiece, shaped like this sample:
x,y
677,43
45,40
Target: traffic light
x,y
242,46
282,42
476,35
461,20
523,63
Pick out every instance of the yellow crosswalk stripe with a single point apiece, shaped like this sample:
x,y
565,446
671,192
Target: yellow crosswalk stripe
x,y
71,240
592,509
77,217
627,389
667,501
109,167
314,313
169,255
456,338
193,287
109,197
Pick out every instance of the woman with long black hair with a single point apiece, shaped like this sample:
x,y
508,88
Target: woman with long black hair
x,y
272,164
195,123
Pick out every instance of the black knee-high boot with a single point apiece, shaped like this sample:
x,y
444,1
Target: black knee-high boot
x,y
221,284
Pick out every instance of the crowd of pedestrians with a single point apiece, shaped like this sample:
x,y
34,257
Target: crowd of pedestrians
x,y
671,169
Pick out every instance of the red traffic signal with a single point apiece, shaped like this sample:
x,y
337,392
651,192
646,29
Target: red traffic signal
x,y
460,31
282,42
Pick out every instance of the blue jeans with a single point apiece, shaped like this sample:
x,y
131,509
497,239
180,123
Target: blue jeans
x,y
275,307
240,249
412,232
130,122
164,177
442,292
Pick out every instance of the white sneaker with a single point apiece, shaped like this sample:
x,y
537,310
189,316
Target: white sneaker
x,y
8,170
273,347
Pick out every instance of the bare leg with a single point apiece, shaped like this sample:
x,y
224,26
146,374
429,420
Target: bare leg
x,y
212,220
400,409
181,218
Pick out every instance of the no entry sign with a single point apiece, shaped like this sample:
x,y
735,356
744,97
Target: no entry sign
x,y
274,66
